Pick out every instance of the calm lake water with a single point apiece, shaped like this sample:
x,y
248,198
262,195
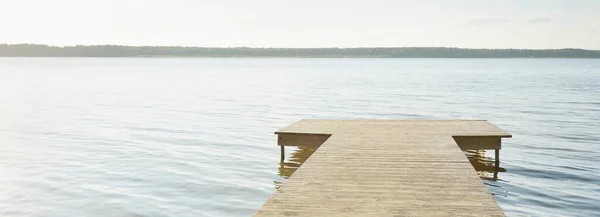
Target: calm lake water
x,y
194,137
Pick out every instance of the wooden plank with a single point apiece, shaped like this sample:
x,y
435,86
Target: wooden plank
x,y
301,139
386,168
478,142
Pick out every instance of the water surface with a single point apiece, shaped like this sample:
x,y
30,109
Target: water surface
x,y
194,137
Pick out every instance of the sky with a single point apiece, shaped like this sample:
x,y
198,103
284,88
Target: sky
x,y
534,24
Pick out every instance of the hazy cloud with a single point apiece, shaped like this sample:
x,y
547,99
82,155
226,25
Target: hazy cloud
x,y
487,21
540,20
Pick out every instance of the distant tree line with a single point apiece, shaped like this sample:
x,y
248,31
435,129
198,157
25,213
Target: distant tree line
x,y
35,50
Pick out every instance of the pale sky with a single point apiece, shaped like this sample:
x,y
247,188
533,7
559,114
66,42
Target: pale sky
x,y
305,23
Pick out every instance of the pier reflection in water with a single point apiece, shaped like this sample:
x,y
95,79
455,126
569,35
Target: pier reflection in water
x,y
294,161
481,163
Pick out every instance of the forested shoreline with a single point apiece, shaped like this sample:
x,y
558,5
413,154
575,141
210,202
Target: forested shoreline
x,y
36,50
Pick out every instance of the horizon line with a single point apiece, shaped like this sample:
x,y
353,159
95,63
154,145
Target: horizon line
x,y
357,47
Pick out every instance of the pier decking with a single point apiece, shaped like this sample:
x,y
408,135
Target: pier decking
x,y
386,168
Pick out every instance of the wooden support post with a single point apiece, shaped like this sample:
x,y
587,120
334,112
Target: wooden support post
x,y
496,164
282,153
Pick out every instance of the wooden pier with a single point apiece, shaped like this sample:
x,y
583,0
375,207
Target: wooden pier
x,y
386,168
